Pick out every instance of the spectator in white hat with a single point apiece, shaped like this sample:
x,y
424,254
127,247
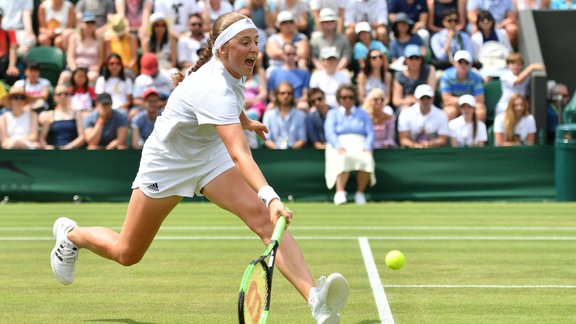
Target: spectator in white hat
x,y
460,80
374,12
423,125
328,36
365,43
338,6
329,78
287,33
467,130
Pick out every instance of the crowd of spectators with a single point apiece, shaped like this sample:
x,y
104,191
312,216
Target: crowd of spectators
x,y
418,68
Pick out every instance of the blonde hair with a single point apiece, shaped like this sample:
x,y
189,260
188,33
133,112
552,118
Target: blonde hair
x,y
510,117
368,102
218,27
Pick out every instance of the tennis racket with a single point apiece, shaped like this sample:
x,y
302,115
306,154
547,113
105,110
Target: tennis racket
x,y
256,286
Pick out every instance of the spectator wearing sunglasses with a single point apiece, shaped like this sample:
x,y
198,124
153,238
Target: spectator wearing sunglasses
x,y
62,127
415,73
423,125
460,80
350,142
448,41
316,118
18,125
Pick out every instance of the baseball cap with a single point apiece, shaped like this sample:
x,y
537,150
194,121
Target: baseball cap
x,y
104,98
412,50
156,17
467,100
362,27
328,52
423,90
284,16
327,14
463,55
150,91
402,17
149,64
88,16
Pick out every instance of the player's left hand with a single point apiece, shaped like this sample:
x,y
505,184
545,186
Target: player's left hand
x,y
257,127
277,209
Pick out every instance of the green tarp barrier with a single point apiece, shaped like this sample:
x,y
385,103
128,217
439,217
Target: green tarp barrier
x,y
490,173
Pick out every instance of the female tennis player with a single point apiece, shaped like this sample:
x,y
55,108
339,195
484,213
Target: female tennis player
x,y
198,148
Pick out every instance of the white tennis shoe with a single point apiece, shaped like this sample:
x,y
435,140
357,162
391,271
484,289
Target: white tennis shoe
x,y
340,198
360,198
64,254
328,297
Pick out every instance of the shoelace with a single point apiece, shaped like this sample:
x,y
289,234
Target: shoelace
x,y
66,253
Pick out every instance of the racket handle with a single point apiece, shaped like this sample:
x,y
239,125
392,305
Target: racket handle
x,y
279,229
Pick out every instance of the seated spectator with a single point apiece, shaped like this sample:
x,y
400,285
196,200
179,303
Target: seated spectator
x,y
383,119
556,111
178,11
350,142
262,13
415,73
460,80
403,36
448,41
423,125
413,11
287,124
190,44
142,124
299,10
289,71
467,130
329,78
374,75
137,12
162,43
56,21
82,95
255,94
8,56
62,127
374,12
438,8
316,118
504,13
328,36
515,126
150,77
18,126
122,43
114,82
106,128
85,50
487,31
287,33
212,9
515,80
17,16
36,87
364,44
337,6
102,9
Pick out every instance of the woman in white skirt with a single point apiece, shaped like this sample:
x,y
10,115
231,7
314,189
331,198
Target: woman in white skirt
x,y
198,148
350,137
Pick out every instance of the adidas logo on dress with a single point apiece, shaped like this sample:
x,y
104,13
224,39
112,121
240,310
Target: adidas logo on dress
x,y
153,187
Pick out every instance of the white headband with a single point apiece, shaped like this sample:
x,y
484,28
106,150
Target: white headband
x,y
232,31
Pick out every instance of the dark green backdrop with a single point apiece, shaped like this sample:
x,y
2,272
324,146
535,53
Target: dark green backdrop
x,y
491,173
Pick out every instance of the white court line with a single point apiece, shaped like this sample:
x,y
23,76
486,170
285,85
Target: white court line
x,y
485,286
379,295
337,238
335,228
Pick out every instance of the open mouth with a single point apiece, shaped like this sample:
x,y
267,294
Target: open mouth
x,y
250,62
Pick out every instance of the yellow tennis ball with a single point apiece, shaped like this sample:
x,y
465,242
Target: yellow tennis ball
x,y
395,260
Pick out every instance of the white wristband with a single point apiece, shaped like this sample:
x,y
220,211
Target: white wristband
x,y
267,194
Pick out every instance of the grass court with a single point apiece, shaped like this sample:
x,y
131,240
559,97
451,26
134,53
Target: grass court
x,y
466,263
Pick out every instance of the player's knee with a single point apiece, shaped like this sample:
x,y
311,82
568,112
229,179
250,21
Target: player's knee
x,y
129,258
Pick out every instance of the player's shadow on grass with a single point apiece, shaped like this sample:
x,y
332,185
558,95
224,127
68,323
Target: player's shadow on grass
x,y
119,320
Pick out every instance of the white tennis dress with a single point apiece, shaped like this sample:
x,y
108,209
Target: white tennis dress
x,y
184,152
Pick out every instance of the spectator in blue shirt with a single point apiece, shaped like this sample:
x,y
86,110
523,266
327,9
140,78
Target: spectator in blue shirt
x,y
448,41
142,124
316,118
460,80
287,124
289,71
350,141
